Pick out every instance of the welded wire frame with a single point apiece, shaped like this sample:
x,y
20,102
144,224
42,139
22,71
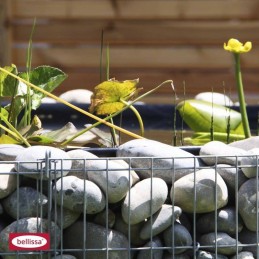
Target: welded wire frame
x,y
46,178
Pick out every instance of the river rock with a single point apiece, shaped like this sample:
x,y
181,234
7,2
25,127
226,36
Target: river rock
x,y
182,192
134,230
59,163
64,217
167,255
139,204
250,239
8,181
100,218
226,221
229,174
182,238
64,256
226,245
8,152
220,153
243,255
216,98
207,255
30,225
247,204
98,237
134,176
77,96
246,144
249,164
79,160
28,201
106,173
169,163
160,221
154,253
73,192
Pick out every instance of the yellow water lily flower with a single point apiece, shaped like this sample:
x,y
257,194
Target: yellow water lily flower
x,y
236,46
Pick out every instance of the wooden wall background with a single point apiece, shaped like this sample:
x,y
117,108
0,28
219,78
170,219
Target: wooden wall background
x,y
153,40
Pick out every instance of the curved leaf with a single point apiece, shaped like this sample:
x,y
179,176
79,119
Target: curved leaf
x,y
107,95
8,84
45,77
198,115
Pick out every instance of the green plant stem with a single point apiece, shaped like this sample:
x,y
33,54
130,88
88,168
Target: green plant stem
x,y
113,133
114,114
18,135
241,96
140,121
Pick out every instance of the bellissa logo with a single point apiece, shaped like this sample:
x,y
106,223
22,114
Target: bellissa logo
x,y
29,241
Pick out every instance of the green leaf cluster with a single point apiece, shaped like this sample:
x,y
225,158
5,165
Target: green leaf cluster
x,y
13,115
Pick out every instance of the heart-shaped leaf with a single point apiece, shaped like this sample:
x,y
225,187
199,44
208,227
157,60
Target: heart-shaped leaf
x,y
107,96
45,77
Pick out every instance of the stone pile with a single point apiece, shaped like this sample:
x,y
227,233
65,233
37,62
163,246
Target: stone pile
x,y
151,195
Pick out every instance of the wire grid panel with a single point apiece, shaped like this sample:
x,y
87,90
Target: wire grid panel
x,y
139,207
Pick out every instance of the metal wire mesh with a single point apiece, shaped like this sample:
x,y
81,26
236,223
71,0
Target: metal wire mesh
x,y
79,230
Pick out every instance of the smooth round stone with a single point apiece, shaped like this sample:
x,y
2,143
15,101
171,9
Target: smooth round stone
x,y
79,161
169,163
247,204
106,173
100,218
249,164
64,217
167,255
139,204
226,222
134,230
250,239
1,209
134,176
221,153
64,256
229,174
182,238
221,240
98,237
74,192
243,255
207,255
161,220
155,253
216,98
246,144
8,152
30,225
28,201
77,96
183,191
34,157
8,182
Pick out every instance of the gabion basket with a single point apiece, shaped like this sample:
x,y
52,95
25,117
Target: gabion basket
x,y
132,207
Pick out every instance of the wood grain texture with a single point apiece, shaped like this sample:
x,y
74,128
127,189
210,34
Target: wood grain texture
x,y
153,40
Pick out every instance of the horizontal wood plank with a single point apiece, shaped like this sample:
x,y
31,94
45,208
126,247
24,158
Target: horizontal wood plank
x,y
144,9
195,81
136,33
138,57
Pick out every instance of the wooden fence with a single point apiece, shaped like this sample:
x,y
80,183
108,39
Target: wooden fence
x,y
153,40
